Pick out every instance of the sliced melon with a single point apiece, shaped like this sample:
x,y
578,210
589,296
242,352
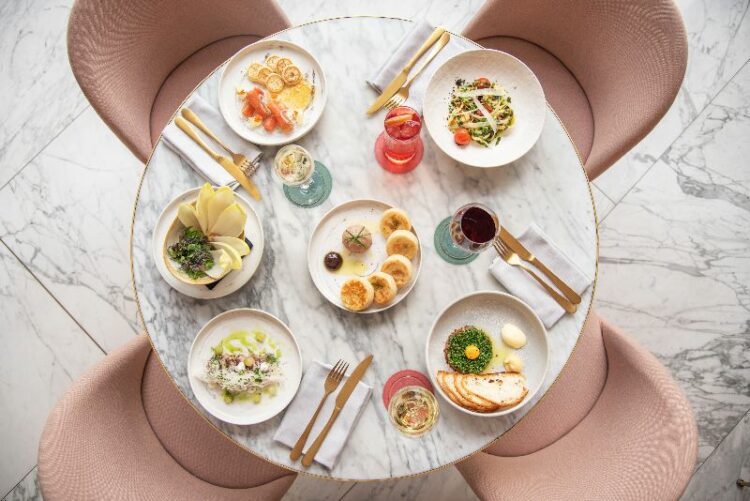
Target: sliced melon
x,y
188,216
201,206
233,254
223,198
236,243
231,222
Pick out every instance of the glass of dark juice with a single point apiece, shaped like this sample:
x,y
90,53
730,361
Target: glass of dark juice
x,y
473,227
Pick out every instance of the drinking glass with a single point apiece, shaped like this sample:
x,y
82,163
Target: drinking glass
x,y
413,410
399,148
460,239
307,182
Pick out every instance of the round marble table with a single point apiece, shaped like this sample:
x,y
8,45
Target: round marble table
x,y
547,186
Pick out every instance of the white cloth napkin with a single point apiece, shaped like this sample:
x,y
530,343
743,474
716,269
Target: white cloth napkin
x,y
405,50
198,159
522,285
303,406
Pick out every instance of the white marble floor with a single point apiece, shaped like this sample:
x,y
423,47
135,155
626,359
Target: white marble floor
x,y
675,238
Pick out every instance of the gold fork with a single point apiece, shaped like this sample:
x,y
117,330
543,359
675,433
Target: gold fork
x,y
335,375
245,164
403,93
513,259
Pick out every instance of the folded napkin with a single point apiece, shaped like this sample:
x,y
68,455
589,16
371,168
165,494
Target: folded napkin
x,y
198,159
406,48
303,406
522,285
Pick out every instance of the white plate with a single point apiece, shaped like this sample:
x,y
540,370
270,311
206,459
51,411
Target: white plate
x,y
234,75
326,237
527,101
244,412
489,311
232,280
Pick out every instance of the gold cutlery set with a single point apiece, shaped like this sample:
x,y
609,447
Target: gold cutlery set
x,y
332,381
397,91
515,254
237,166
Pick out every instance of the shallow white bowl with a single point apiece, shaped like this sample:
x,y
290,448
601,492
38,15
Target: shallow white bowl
x,y
233,280
527,101
489,311
244,412
234,75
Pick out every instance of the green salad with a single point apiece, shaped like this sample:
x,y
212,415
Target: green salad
x,y
193,253
479,111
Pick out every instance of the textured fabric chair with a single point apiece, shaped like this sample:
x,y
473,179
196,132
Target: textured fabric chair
x,y
609,68
124,432
614,426
137,60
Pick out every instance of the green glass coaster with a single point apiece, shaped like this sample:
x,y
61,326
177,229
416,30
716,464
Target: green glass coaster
x,y
315,192
447,249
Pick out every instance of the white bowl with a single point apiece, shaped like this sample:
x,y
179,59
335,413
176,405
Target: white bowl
x,y
217,328
489,311
527,101
234,75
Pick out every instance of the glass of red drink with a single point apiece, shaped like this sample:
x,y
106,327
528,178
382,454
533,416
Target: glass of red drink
x,y
399,148
460,239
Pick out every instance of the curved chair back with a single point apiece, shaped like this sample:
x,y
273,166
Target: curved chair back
x,y
122,51
123,431
629,57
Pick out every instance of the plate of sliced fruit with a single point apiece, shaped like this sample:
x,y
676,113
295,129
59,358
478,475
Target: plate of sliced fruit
x,y
208,242
364,256
272,92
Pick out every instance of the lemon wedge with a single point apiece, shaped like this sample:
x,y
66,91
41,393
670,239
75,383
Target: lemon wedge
x,y
236,243
222,264
234,256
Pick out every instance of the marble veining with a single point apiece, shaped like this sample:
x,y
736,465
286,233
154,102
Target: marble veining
x,y
44,352
718,36
41,97
674,262
27,489
67,216
548,186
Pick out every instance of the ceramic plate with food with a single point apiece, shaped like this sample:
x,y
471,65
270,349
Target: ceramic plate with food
x,y
364,255
484,108
487,353
272,92
244,366
208,242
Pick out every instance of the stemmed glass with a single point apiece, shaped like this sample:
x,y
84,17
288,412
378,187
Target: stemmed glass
x,y
460,239
307,182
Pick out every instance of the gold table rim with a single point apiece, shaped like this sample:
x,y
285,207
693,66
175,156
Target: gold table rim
x,y
302,471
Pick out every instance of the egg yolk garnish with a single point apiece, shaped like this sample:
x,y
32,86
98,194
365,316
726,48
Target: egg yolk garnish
x,y
471,352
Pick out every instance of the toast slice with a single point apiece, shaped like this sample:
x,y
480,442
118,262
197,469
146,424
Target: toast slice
x,y
503,389
481,403
450,383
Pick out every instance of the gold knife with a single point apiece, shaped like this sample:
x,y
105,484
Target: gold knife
x,y
225,162
527,256
341,399
399,79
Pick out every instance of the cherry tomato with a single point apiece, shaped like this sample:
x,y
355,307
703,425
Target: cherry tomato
x,y
461,136
482,83
269,123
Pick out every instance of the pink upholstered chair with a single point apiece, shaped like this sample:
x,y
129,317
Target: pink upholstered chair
x,y
614,426
137,60
124,432
609,68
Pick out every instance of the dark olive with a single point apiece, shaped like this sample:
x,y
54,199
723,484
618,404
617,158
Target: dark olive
x,y
333,261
